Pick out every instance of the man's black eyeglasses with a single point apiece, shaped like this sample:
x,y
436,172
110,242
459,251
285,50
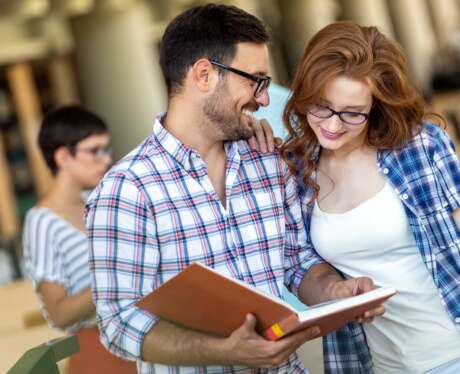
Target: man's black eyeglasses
x,y
262,81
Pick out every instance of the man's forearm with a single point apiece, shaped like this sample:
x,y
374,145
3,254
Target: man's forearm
x,y
170,344
316,286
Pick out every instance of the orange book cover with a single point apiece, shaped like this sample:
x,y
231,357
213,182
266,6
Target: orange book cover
x,y
202,299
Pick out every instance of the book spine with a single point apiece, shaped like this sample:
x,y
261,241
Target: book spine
x,y
281,328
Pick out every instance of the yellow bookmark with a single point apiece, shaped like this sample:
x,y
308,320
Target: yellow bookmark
x,y
277,330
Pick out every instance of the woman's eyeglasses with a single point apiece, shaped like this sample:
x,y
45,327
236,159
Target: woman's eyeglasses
x,y
262,81
97,152
350,118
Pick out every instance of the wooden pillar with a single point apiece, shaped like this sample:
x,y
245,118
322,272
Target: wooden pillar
x,y
301,20
9,220
412,24
62,79
369,13
127,88
27,105
446,19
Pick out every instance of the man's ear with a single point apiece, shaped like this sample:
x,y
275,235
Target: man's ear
x,y
62,156
204,75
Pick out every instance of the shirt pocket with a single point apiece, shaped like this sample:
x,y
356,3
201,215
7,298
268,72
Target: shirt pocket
x,y
441,230
429,198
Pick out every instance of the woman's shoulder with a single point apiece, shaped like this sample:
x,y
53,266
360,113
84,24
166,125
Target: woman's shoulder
x,y
430,138
434,134
44,219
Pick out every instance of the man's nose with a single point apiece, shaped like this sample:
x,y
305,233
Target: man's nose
x,y
263,99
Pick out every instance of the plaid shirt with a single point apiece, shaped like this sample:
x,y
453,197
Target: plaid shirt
x,y
426,176
156,212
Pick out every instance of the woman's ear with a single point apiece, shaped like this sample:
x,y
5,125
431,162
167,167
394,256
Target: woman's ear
x,y
62,156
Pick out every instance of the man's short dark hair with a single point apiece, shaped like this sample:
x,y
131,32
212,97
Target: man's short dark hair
x,y
211,31
66,126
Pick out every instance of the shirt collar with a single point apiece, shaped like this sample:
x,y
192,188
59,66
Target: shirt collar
x,y
180,151
170,144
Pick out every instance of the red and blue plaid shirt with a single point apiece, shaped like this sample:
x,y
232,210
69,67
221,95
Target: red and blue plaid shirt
x,y
156,212
425,174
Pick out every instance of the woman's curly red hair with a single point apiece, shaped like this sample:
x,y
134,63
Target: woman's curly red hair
x,y
357,52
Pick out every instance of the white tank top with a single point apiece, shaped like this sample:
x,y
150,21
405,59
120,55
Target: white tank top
x,y
374,239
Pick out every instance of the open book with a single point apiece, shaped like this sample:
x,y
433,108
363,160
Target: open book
x,y
202,299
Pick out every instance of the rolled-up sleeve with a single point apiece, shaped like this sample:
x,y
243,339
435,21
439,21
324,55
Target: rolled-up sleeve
x,y
123,260
299,254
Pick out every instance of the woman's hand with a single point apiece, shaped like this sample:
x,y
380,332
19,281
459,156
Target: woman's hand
x,y
356,286
263,139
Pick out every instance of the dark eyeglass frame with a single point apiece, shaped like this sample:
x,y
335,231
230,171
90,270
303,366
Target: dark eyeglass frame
x,y
339,114
97,152
263,81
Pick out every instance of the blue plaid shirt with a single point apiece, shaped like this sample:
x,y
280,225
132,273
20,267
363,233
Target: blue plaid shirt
x,y
426,175
156,212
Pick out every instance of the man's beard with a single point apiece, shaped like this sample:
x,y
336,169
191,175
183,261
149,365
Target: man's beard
x,y
222,114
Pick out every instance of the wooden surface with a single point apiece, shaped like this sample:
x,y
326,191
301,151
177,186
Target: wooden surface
x,y
14,344
18,299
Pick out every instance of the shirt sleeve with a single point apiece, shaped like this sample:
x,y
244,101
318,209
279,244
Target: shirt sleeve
x,y
123,260
447,167
41,255
299,255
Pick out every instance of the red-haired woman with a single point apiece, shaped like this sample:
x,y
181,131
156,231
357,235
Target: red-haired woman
x,y
380,191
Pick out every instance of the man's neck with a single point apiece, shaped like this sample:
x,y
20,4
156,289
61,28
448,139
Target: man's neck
x,y
184,120
185,123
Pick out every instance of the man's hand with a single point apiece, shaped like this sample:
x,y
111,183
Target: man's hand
x,y
245,346
170,344
356,286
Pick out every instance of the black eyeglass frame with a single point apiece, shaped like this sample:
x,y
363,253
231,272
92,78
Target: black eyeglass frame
x,y
97,152
260,80
339,114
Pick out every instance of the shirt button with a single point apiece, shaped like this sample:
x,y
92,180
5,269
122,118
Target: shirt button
x,y
386,171
405,196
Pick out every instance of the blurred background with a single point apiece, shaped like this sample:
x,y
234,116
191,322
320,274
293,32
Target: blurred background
x,y
104,55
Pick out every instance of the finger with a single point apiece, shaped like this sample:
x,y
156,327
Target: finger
x,y
260,136
296,340
300,337
370,315
278,142
375,312
253,143
365,284
309,334
268,135
249,323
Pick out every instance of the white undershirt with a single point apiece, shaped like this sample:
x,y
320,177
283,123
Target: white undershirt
x,y
374,239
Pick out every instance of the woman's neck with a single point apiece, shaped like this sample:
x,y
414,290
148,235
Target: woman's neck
x,y
64,192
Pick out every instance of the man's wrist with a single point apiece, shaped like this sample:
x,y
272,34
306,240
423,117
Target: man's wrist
x,y
224,351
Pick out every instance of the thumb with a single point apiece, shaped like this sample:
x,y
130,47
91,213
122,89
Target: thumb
x,y
249,323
